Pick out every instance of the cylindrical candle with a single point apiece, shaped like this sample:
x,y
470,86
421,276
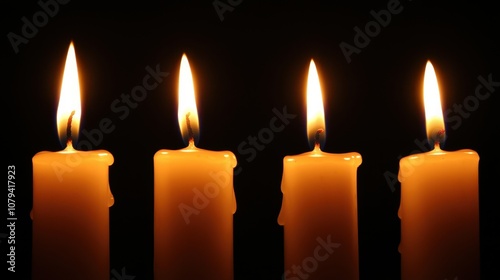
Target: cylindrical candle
x,y
194,202
319,215
319,210
439,208
71,200
193,214
439,215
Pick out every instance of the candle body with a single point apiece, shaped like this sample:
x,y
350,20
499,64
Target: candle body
x,y
71,200
319,215
439,215
194,203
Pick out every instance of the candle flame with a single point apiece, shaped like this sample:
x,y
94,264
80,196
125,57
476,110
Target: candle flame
x,y
315,109
433,110
69,110
187,112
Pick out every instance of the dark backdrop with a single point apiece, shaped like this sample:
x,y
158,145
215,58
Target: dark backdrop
x,y
247,60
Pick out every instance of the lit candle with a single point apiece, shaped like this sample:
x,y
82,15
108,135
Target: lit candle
x,y
319,210
439,208
71,198
194,202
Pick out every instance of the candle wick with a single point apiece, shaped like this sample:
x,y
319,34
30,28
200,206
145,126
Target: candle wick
x,y
317,138
439,138
190,130
68,129
437,145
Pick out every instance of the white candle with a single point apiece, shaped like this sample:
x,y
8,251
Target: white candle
x,y
71,199
439,208
194,202
319,210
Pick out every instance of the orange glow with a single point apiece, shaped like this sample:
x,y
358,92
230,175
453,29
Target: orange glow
x,y
69,99
315,109
187,102
432,103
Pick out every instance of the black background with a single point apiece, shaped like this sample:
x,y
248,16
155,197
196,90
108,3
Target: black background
x,y
252,61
